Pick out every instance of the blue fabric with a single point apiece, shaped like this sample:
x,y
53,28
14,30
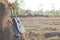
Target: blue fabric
x,y
18,27
16,31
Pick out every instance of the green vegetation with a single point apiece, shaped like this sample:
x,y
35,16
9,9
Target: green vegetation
x,y
18,3
20,11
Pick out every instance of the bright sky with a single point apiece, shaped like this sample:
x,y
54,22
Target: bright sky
x,y
41,4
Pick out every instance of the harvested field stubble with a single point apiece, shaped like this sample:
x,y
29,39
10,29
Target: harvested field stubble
x,y
39,27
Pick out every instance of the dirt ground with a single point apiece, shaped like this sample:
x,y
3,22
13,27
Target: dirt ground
x,y
38,28
42,28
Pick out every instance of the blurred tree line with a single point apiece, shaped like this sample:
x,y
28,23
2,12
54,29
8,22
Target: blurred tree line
x,y
28,12
40,12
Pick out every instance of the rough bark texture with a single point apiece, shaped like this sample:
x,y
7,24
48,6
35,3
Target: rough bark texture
x,y
5,27
6,32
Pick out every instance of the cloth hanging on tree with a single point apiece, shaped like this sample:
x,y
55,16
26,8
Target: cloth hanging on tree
x,y
18,26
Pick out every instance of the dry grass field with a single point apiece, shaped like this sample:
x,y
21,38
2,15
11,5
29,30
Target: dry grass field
x,y
42,28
